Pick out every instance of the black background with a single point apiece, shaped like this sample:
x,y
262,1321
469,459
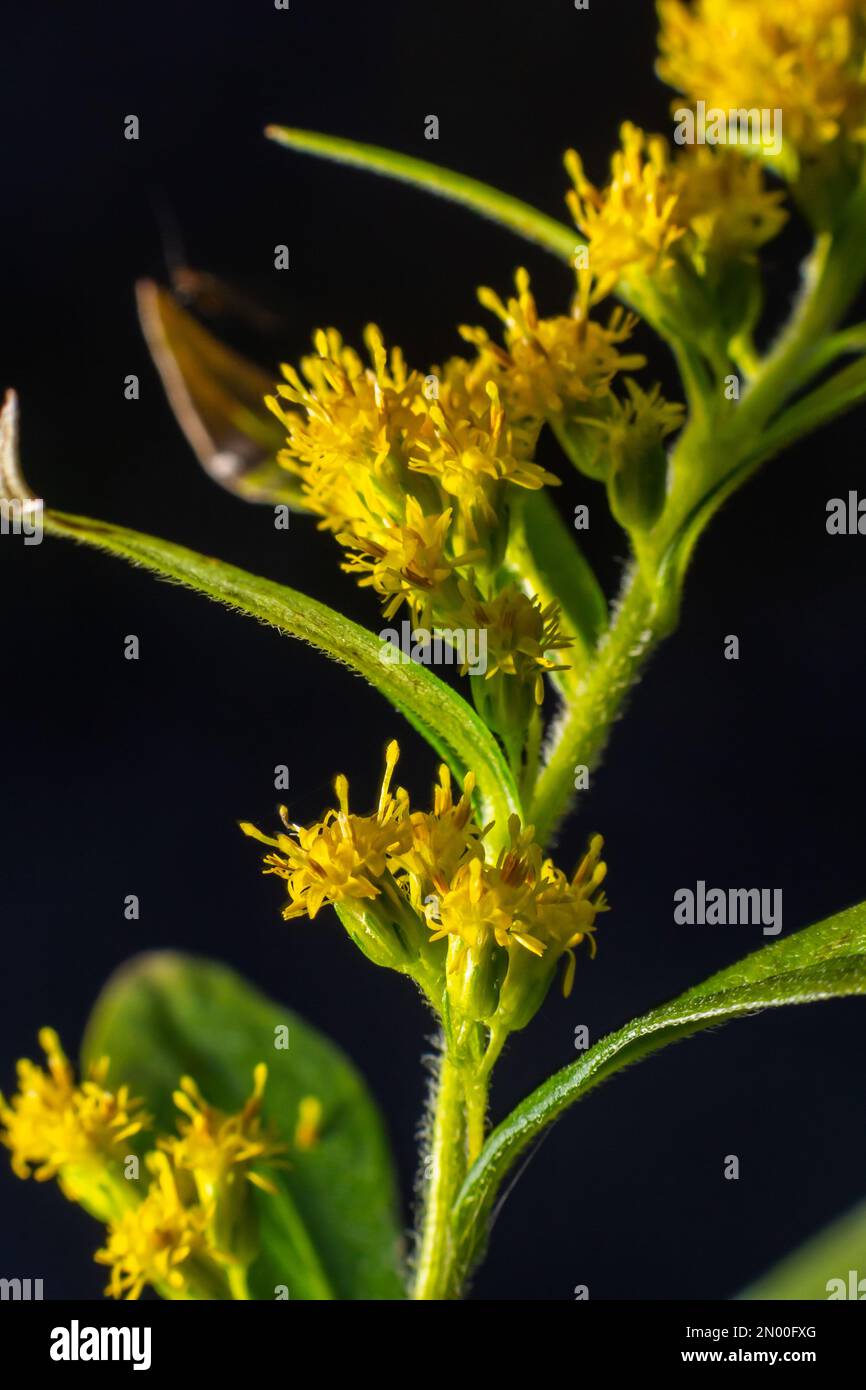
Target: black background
x,y
128,777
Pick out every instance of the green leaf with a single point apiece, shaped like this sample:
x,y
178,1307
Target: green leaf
x,y
822,962
218,400
443,717
832,1254
332,1230
835,397
556,565
510,212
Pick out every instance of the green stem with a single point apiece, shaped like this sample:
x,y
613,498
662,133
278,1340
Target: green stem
x,y
237,1277
434,1270
475,1099
584,731
458,1130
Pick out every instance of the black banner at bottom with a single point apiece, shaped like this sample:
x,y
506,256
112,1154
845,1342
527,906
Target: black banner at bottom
x,y
155,1338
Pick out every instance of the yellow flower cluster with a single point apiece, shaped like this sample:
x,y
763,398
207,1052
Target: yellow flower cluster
x,y
56,1128
417,476
184,1231
407,471
702,206
435,863
806,58
547,366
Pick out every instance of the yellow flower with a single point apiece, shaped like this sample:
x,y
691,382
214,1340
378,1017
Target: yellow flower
x,y
406,562
163,1242
433,875
217,1148
725,205
75,1133
702,207
521,634
346,441
630,224
520,901
629,429
343,856
804,57
469,455
440,840
407,472
550,364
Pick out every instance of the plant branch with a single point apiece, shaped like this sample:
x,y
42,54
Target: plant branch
x,y
446,1164
583,732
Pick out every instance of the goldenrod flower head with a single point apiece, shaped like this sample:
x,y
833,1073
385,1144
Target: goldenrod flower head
x,y
469,454
73,1132
497,913
724,203
704,206
630,224
343,856
346,439
521,634
522,898
524,905
217,1148
405,562
804,57
162,1241
408,477
549,364
440,840
631,427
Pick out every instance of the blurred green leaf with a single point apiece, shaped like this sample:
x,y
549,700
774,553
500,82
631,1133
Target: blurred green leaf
x,y
832,1254
443,717
825,961
332,1230
512,213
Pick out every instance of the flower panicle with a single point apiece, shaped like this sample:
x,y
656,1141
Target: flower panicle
x,y
183,1227
486,917
663,215
806,60
55,1127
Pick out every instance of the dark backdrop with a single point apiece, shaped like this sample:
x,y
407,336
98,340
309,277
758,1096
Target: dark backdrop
x,y
123,777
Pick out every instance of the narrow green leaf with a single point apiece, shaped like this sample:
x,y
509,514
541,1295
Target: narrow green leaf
x,y
442,716
822,962
835,397
555,562
332,1229
830,1255
518,216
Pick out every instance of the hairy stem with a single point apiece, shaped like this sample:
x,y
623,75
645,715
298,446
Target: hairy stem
x,y
446,1166
458,1110
583,732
